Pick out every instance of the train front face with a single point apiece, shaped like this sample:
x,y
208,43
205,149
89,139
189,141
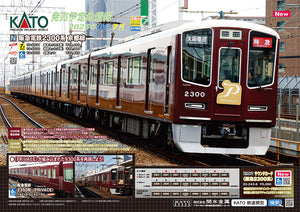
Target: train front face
x,y
226,89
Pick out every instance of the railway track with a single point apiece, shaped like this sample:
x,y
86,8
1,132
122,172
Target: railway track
x,y
27,117
87,193
4,118
9,124
289,116
172,155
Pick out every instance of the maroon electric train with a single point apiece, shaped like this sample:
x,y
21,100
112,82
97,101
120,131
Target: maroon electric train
x,y
207,87
57,175
114,179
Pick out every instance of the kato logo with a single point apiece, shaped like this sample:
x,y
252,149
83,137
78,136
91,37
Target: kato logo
x,y
182,203
231,95
28,22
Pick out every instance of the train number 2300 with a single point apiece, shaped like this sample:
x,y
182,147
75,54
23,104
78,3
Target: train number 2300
x,y
194,94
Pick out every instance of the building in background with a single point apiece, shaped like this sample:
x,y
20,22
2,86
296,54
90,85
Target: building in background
x,y
121,11
287,24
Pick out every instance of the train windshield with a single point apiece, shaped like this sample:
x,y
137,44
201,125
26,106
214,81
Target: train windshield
x,y
261,59
196,56
127,175
229,65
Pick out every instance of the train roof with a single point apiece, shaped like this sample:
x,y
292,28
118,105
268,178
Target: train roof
x,y
168,29
174,28
186,25
104,170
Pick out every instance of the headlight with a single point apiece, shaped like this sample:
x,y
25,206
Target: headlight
x,y
255,108
200,106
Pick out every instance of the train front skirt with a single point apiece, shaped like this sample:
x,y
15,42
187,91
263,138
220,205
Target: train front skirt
x,y
187,138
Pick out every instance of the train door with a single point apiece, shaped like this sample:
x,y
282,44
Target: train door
x,y
78,83
60,81
55,82
35,84
97,82
118,81
149,80
52,81
168,79
120,177
42,83
60,176
30,85
83,82
228,80
69,81
47,84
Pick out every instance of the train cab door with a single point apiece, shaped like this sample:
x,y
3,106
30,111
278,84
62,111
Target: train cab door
x,y
228,79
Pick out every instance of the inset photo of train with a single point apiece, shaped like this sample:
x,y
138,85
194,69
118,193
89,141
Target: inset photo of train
x,y
113,178
70,176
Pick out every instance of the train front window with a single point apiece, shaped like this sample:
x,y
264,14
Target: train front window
x,y
196,56
229,65
261,59
127,175
120,175
68,175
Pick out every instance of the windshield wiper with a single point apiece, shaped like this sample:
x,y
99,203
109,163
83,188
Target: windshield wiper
x,y
256,80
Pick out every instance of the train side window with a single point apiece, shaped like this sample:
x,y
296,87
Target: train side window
x,y
102,178
98,178
84,75
74,73
109,73
152,67
134,70
42,172
58,77
93,75
49,173
45,172
64,77
68,175
39,172
53,173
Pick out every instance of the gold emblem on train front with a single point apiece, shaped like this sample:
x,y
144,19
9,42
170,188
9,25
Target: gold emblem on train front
x,y
231,95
